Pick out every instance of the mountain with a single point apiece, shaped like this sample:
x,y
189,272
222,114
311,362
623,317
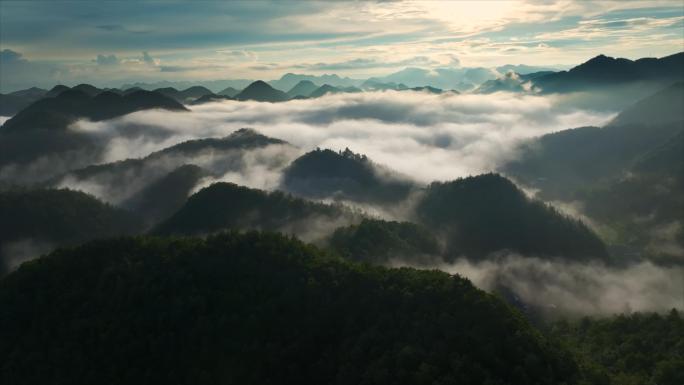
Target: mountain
x,y
289,80
344,176
374,85
213,85
303,88
511,82
380,242
56,90
446,78
35,221
229,91
58,112
663,107
627,176
87,89
16,101
325,89
119,182
602,71
186,95
257,309
262,92
210,98
488,213
166,195
430,90
224,206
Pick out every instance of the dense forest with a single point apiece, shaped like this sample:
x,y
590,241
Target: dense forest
x,y
632,349
257,308
487,213
229,206
344,175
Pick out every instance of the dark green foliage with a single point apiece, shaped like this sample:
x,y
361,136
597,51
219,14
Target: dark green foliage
x,y
636,349
487,213
260,91
227,205
378,241
256,309
344,175
60,216
244,138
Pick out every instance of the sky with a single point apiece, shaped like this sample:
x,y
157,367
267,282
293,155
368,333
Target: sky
x,y
108,43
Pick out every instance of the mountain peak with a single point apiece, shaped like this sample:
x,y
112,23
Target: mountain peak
x,y
262,92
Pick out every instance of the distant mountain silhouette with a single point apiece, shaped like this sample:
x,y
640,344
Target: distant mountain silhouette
x,y
185,96
289,80
58,112
511,82
16,101
87,89
303,88
262,92
210,98
325,89
488,213
430,90
229,91
607,71
56,90
375,85
344,175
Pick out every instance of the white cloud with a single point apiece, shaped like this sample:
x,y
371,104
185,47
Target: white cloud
x,y
428,137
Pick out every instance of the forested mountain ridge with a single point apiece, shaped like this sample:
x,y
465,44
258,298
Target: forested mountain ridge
x,y
628,175
627,348
344,175
257,308
35,221
488,213
229,206
119,181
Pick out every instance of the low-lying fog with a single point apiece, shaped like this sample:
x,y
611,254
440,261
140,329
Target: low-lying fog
x,y
427,137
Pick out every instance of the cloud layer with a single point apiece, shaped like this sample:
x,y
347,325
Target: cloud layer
x,y
427,137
